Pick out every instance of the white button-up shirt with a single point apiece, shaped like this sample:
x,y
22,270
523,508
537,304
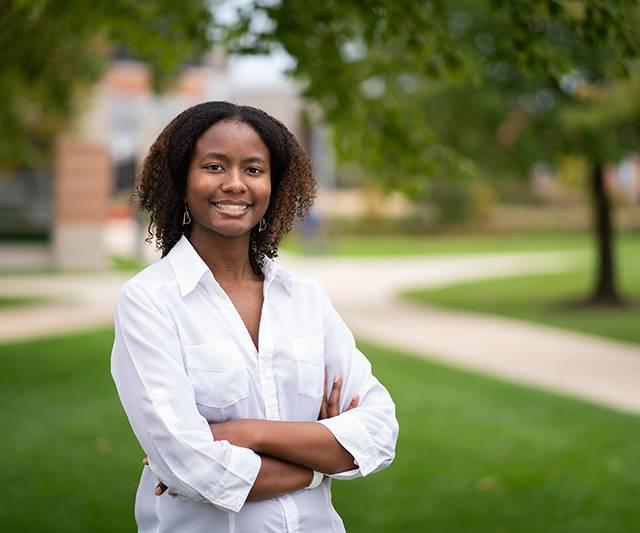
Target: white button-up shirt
x,y
182,357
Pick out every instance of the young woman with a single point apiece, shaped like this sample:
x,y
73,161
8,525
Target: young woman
x,y
242,384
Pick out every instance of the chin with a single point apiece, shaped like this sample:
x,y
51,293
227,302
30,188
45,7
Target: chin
x,y
233,235
229,231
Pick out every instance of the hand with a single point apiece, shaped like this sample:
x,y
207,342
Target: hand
x,y
331,407
160,487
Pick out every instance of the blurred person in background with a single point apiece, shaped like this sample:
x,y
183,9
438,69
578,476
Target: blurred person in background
x,y
241,382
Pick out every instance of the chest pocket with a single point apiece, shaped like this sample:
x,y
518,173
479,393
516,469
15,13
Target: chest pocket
x,y
218,374
309,354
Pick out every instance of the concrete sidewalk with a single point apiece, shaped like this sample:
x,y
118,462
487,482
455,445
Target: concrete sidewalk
x,y
363,291
79,301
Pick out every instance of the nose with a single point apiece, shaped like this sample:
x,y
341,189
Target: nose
x,y
234,181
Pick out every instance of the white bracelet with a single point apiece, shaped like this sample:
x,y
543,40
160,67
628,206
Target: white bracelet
x,y
315,482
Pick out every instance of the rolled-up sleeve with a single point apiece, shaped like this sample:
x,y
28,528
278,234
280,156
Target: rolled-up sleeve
x,y
370,431
147,367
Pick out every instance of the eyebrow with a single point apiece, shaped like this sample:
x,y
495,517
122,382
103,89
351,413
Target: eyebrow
x,y
218,155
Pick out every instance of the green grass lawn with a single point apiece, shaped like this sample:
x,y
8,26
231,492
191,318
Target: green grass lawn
x,y
359,246
474,454
544,298
20,301
127,264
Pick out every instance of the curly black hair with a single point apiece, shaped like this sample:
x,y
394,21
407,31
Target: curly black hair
x,y
161,184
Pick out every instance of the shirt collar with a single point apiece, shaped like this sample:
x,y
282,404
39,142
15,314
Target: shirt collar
x,y
273,270
189,268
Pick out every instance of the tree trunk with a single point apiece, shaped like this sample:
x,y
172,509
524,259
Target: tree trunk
x,y
605,291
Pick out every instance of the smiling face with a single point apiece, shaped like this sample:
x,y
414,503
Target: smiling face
x,y
229,180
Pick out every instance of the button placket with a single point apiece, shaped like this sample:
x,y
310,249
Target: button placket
x,y
270,397
265,357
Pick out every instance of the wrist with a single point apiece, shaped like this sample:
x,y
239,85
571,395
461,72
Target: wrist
x,y
308,478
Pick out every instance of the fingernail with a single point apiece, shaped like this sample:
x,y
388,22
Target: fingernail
x,y
336,380
356,398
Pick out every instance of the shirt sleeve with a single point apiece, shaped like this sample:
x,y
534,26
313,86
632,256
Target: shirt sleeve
x,y
370,431
147,367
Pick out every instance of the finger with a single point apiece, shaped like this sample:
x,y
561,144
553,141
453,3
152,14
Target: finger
x,y
333,405
323,403
145,461
354,402
171,493
323,410
324,389
160,489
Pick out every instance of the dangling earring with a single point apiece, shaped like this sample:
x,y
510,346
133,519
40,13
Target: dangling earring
x,y
186,217
263,224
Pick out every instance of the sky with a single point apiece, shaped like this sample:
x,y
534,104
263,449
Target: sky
x,y
267,70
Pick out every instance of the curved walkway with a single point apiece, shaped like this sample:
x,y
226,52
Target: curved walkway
x,y
363,291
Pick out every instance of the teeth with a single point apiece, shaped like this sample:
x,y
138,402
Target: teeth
x,y
231,207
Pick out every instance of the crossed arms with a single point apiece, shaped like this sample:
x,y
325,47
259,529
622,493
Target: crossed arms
x,y
289,451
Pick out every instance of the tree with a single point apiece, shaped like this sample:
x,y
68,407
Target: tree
x,y
376,68
602,124
505,136
52,52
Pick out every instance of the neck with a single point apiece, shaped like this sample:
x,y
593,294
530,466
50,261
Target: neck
x,y
226,257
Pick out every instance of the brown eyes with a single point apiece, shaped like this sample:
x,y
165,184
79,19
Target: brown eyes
x,y
214,167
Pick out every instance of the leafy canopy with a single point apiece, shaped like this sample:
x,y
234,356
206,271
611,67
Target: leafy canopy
x,y
52,51
415,88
